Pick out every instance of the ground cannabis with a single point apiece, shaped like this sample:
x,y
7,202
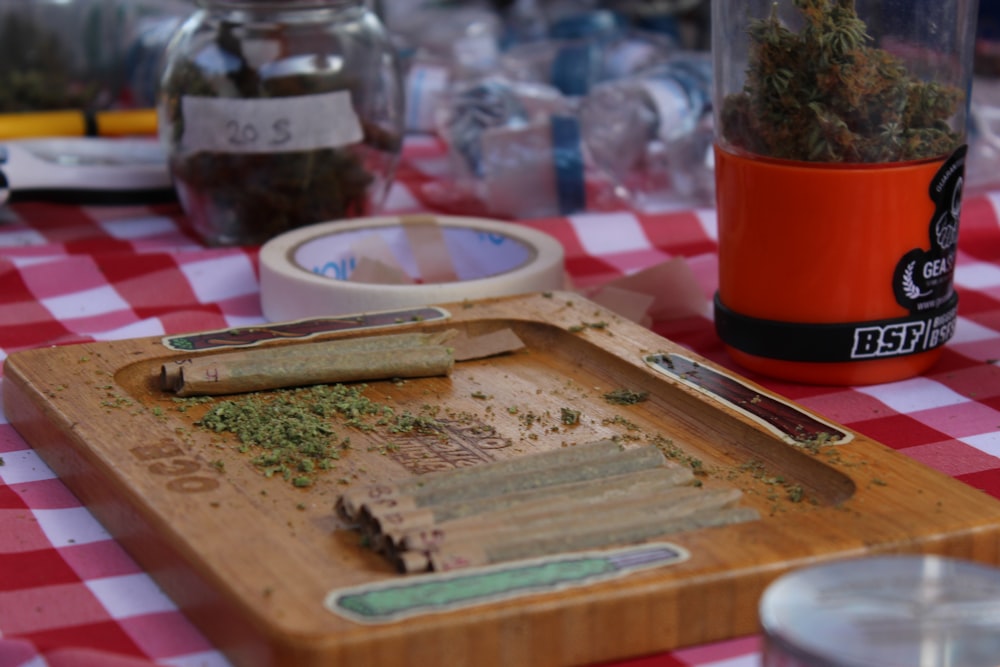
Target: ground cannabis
x,y
583,326
569,416
675,453
291,432
825,94
625,396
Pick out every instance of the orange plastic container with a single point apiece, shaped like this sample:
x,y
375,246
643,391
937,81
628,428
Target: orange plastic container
x,y
814,257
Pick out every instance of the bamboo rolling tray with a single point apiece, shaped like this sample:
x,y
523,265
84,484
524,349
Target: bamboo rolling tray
x,y
257,562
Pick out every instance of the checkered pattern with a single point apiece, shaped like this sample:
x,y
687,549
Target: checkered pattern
x,y
71,597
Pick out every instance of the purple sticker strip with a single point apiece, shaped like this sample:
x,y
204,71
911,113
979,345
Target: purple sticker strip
x,y
247,336
782,417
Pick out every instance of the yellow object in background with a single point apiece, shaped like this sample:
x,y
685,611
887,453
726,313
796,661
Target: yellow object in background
x,y
76,123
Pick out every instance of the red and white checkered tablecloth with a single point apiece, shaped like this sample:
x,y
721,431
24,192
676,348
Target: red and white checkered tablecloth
x,y
70,596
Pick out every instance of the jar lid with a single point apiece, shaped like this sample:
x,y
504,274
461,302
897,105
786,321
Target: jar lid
x,y
887,611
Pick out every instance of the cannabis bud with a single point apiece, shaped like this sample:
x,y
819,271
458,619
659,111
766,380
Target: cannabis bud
x,y
826,94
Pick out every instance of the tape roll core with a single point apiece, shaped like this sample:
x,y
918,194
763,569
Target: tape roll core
x,y
306,272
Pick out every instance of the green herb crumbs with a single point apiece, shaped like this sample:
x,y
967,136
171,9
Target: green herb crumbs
x,y
182,404
114,400
290,432
675,453
569,417
619,420
794,492
626,396
408,422
2,462
577,328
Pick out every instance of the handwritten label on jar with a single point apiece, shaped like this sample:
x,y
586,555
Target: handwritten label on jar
x,y
269,125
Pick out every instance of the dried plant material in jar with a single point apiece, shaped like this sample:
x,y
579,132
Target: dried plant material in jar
x,y
280,115
37,72
825,93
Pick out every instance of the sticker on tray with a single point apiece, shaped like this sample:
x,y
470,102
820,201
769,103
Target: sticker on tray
x,y
299,329
787,420
396,599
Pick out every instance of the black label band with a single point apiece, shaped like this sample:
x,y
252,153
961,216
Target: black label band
x,y
851,341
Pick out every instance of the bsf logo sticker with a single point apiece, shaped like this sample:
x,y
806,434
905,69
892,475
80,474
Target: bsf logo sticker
x,y
922,282
923,279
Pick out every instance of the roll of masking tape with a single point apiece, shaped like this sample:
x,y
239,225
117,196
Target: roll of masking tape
x,y
379,263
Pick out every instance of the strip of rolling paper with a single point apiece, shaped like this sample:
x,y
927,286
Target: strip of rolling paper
x,y
396,495
586,535
564,517
406,355
499,484
652,480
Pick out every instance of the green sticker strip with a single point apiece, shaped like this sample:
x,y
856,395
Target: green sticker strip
x,y
390,601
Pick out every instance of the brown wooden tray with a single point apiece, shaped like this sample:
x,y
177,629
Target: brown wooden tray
x,y
252,560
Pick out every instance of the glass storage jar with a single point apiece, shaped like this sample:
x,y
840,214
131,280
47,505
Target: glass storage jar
x,y
277,114
57,55
840,152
